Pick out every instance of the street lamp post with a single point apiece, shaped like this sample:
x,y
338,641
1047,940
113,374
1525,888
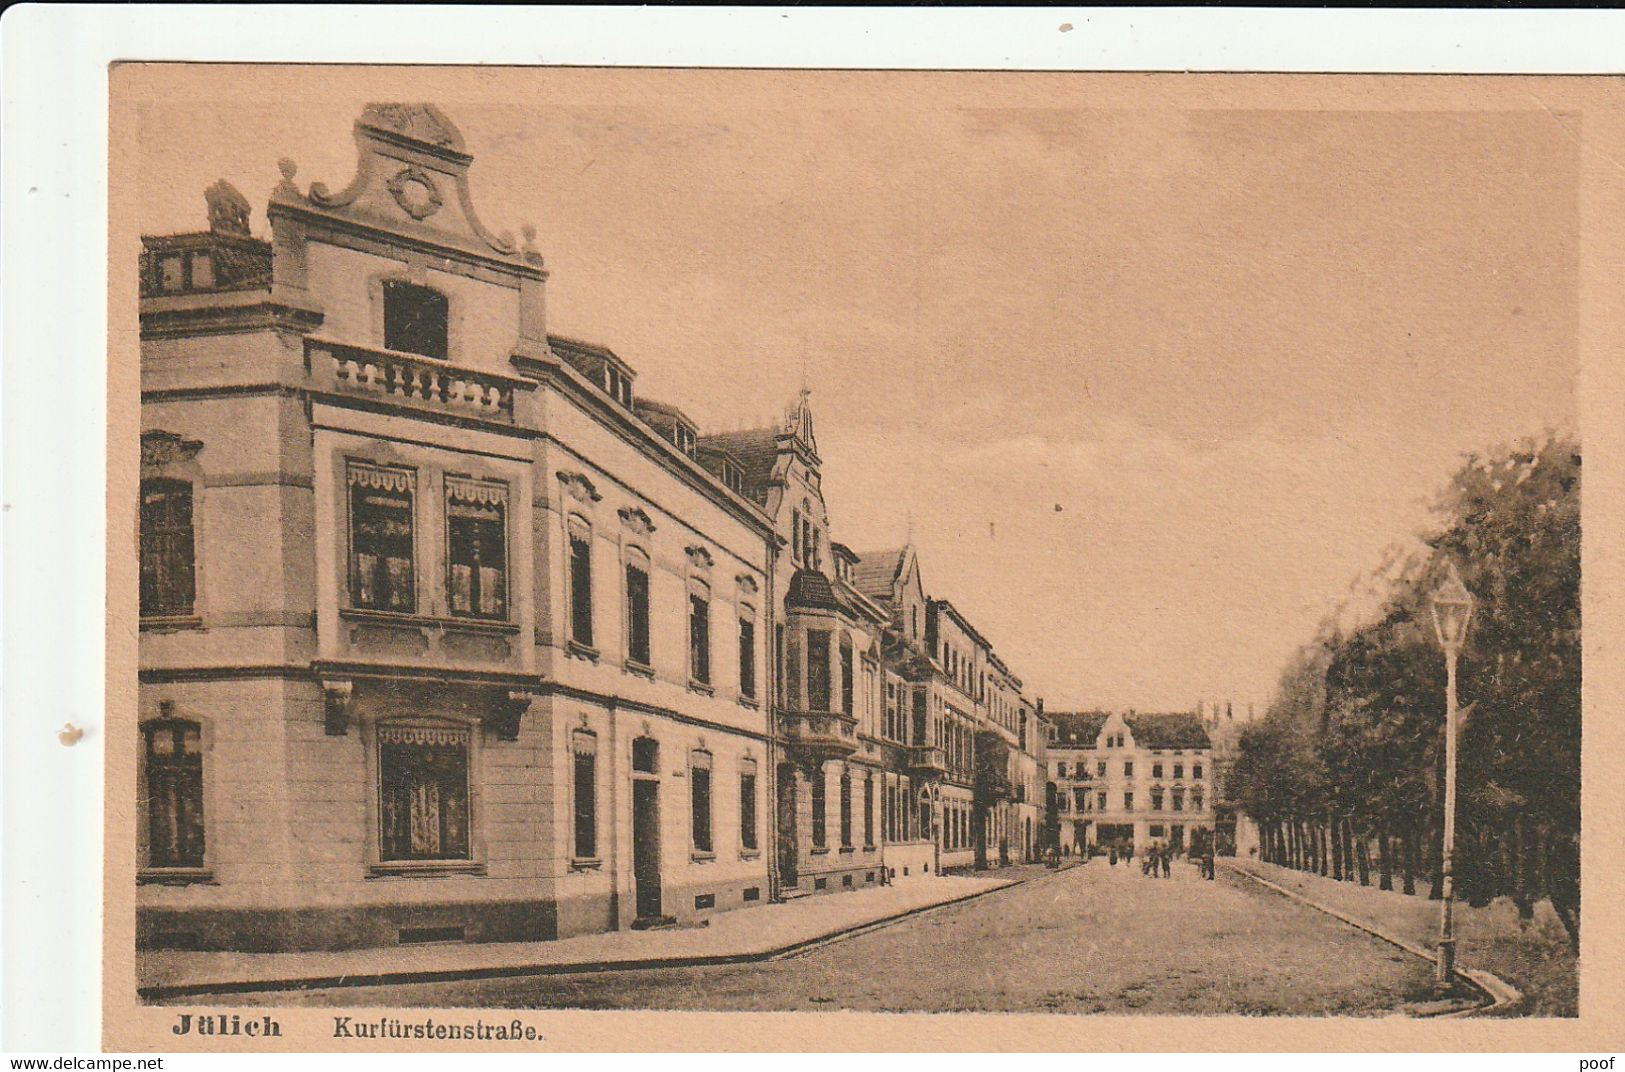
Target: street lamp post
x,y
1452,609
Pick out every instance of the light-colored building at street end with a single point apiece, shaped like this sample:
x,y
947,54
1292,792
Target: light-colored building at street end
x,y
1130,780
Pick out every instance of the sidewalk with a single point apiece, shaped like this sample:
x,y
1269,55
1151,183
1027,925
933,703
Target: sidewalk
x,y
737,936
1535,959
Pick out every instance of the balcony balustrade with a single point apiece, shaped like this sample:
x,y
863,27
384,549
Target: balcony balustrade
x,y
414,380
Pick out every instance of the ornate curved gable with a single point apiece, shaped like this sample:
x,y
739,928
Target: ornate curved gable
x,y
411,179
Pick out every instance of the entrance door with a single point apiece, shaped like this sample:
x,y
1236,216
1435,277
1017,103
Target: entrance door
x,y
646,845
789,874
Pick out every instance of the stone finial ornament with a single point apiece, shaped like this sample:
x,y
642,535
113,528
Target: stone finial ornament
x,y
228,209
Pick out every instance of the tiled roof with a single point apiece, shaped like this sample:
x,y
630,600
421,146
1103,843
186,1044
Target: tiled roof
x,y
809,588
876,572
756,450
1168,731
1078,729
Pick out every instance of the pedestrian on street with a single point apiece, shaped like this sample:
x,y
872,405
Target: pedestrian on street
x,y
1111,854
1167,861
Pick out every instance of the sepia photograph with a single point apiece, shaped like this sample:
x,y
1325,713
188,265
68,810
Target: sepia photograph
x,y
763,541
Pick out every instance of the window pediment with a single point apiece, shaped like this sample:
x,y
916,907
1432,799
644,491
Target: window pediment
x,y
634,518
578,487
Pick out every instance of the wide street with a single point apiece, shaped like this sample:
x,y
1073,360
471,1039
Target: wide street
x,y
1094,939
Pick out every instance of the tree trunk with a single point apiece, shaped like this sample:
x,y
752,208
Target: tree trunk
x,y
1362,857
1336,825
1407,858
1323,835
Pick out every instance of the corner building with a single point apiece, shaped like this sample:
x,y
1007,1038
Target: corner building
x,y
445,634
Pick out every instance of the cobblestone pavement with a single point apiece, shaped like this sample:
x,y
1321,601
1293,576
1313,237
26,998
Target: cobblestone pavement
x,y
1095,939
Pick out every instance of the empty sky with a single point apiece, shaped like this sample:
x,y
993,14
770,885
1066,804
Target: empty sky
x,y
1155,383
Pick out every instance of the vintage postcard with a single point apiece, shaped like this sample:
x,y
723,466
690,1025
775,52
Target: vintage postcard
x,y
1096,555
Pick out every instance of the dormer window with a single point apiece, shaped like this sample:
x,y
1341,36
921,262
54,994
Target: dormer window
x,y
683,436
733,478
618,386
415,319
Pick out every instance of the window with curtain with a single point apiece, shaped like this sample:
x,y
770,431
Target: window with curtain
x,y
477,549
174,800
847,679
747,805
168,583
818,670
423,793
416,319
699,773
584,749
747,657
637,614
869,810
581,585
699,638
819,793
846,809
381,539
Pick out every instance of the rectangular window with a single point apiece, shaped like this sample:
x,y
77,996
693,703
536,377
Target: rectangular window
x,y
846,809
869,810
1100,801
423,793
1179,800
747,657
700,798
174,762
381,543
1179,770
1156,800
818,668
747,805
919,716
637,614
819,792
581,587
167,548
1128,768
415,319
477,548
1128,801
585,748
1080,797
847,680
1196,771
1100,769
1156,770
699,639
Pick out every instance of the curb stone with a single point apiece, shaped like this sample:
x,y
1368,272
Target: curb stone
x,y
515,971
1501,994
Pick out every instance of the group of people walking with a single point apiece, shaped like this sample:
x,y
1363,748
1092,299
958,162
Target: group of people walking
x,y
1157,860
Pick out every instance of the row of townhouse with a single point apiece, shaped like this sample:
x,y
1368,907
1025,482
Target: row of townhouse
x,y
448,634
1130,780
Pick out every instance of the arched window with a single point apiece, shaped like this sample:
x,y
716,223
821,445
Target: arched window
x,y
580,534
174,799
167,548
415,319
